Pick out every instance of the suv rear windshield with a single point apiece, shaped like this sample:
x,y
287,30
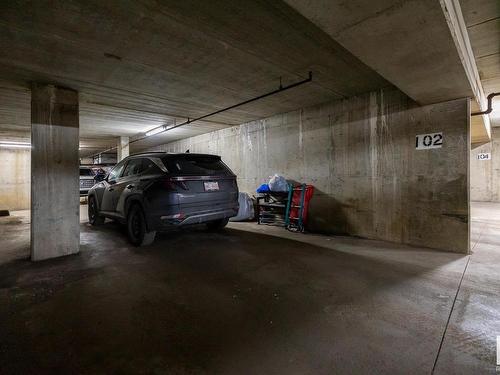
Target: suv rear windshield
x,y
196,165
86,172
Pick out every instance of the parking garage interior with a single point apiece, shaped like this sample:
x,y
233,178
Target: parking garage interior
x,y
387,111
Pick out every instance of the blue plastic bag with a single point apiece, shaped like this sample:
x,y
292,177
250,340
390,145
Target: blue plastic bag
x,y
264,188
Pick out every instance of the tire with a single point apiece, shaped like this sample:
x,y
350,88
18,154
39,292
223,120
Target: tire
x,y
94,217
217,224
137,229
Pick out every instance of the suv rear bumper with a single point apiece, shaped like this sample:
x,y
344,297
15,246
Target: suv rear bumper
x,y
178,219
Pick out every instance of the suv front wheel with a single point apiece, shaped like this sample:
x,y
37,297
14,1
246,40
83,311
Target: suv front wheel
x,y
137,229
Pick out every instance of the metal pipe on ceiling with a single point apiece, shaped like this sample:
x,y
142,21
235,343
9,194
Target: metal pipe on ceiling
x,y
490,105
164,128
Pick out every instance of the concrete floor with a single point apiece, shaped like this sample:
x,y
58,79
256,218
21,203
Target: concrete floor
x,y
253,299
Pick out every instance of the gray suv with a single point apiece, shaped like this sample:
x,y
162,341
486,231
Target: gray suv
x,y
152,192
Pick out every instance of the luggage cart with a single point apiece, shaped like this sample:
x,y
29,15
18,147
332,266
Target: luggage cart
x,y
297,209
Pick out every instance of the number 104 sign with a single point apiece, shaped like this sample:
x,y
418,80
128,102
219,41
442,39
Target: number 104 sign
x,y
427,141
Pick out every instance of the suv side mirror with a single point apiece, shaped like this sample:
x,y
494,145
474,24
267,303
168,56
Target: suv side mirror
x,y
99,177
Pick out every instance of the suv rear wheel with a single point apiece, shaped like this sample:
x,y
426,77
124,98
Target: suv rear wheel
x,y
217,224
137,229
93,211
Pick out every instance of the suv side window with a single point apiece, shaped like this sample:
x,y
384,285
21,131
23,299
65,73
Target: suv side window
x,y
134,167
150,167
116,171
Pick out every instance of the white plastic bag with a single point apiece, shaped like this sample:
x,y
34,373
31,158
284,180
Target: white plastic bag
x,y
246,211
278,183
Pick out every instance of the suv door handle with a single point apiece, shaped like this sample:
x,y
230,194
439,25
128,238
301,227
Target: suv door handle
x,y
129,186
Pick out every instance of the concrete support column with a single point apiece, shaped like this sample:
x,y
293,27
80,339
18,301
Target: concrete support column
x,y
55,206
123,148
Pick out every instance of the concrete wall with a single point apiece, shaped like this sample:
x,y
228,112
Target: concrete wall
x,y
14,179
485,174
360,155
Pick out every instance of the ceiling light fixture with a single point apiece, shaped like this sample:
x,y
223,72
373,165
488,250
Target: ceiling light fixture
x,y
15,144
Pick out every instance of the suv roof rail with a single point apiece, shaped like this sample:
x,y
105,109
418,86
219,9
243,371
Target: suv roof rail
x,y
148,152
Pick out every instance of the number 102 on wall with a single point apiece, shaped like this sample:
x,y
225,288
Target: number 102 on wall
x,y
428,141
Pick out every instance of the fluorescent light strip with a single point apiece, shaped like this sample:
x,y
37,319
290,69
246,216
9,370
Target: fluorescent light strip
x,y
15,145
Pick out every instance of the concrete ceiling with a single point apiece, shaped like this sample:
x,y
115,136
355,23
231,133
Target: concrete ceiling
x,y
100,123
140,64
482,18
407,42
